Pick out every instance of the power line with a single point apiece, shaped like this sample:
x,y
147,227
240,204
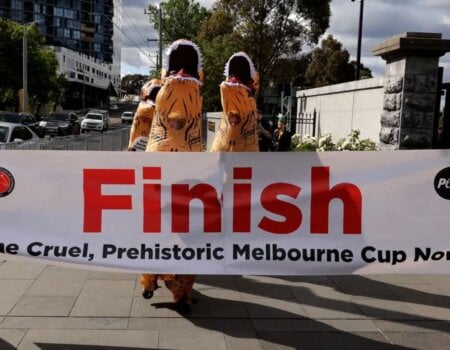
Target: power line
x,y
129,38
132,22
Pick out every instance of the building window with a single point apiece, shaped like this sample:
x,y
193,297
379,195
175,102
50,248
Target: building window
x,y
68,13
76,34
58,12
66,33
17,5
16,16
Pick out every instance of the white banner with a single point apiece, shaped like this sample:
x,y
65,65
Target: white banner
x,y
231,213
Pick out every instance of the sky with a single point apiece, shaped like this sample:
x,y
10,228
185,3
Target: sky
x,y
382,19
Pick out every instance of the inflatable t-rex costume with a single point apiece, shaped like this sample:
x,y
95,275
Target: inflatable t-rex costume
x,y
238,129
176,127
142,121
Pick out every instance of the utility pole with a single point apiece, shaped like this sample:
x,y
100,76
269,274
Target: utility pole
x,y
160,40
160,37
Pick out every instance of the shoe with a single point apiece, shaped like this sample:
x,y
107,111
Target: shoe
x,y
147,294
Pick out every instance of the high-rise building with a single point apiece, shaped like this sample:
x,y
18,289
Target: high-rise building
x,y
86,37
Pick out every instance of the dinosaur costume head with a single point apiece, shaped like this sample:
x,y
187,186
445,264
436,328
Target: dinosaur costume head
x,y
238,130
142,120
149,90
177,123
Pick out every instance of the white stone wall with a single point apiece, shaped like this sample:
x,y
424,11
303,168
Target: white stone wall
x,y
343,107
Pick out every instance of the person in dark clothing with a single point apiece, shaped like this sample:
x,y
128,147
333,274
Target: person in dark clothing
x,y
281,141
264,133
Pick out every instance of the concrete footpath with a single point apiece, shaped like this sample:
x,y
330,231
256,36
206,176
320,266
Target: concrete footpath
x,y
55,308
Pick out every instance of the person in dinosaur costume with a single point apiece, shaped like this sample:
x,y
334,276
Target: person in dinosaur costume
x,y
238,128
176,127
142,121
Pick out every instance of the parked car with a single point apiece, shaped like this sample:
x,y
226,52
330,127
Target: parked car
x,y
12,132
95,120
21,118
60,124
114,107
127,117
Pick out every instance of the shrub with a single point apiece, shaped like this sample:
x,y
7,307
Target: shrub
x,y
325,143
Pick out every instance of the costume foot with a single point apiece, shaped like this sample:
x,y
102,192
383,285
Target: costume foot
x,y
183,306
147,294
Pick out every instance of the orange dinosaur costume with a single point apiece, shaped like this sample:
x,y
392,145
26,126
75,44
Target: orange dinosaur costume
x,y
142,121
238,129
176,127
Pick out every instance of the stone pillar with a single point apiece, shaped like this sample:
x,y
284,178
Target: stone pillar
x,y
410,89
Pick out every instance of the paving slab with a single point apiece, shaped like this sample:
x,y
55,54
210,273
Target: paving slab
x,y
324,341
275,308
253,289
20,270
386,309
242,340
192,340
412,326
109,276
228,326
59,281
43,306
310,325
34,322
10,293
38,339
10,338
104,298
420,341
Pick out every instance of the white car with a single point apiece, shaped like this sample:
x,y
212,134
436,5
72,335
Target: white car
x,y
10,132
127,117
95,121
114,107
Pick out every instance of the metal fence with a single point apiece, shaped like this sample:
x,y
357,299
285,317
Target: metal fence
x,y
305,124
116,140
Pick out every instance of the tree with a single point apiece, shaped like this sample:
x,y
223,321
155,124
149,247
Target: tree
x,y
270,29
330,64
44,84
218,42
181,19
364,72
132,83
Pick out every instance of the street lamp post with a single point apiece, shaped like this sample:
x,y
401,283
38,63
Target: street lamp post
x,y
24,67
358,55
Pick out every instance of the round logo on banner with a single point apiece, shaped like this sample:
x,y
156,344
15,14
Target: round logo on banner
x,y
442,183
6,182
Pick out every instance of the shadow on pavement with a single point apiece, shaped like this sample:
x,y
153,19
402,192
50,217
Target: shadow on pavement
x,y
4,345
318,335
46,346
370,288
357,285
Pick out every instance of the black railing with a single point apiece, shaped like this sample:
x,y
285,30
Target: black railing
x,y
304,124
